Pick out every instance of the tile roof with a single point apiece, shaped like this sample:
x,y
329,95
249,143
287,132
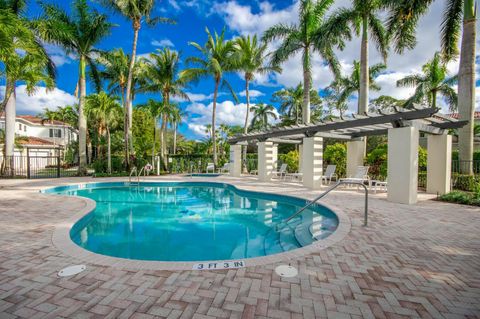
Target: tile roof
x,y
476,115
31,140
37,120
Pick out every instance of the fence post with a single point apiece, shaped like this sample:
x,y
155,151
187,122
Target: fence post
x,y
28,163
58,166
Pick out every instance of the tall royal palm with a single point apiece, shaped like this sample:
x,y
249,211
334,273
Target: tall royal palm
x,y
107,112
137,11
24,60
432,82
314,33
77,33
459,20
262,113
161,74
216,59
115,71
364,18
251,58
351,84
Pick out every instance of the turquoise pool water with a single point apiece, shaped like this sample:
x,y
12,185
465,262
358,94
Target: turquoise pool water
x,y
193,221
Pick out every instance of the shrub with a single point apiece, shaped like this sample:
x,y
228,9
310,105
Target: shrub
x,y
467,183
377,160
336,154
291,159
462,198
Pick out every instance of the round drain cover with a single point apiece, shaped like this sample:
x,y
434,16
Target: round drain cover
x,y
72,270
286,271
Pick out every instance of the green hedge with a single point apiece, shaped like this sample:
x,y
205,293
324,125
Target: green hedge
x,y
462,198
291,159
336,154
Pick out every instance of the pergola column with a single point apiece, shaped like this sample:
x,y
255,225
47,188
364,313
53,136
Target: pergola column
x,y
312,162
355,155
275,156
265,161
403,165
235,167
439,163
300,155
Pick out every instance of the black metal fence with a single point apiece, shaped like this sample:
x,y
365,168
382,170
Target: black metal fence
x,y
28,166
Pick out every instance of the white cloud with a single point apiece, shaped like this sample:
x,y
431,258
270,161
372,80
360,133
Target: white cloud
x,y
41,99
252,93
162,43
227,113
197,97
58,55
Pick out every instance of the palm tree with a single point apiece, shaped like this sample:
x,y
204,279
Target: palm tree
x,y
161,74
314,33
176,115
77,33
157,109
251,56
364,19
115,71
217,58
261,115
347,86
107,112
24,59
291,101
433,81
459,19
136,11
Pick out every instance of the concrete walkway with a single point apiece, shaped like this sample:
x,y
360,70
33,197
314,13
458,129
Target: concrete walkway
x,y
411,261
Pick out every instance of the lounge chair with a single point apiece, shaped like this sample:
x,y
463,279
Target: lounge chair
x,y
225,168
294,176
361,175
210,167
330,174
281,173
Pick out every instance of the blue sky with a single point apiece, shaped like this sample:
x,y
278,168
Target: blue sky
x,y
238,17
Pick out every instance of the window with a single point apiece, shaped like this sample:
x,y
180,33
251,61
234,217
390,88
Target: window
x,y
55,132
24,128
20,126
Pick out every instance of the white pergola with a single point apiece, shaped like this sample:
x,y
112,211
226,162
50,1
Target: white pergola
x,y
402,127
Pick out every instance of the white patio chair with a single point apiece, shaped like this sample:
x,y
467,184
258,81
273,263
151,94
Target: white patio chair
x,y
361,175
329,174
210,167
281,173
225,168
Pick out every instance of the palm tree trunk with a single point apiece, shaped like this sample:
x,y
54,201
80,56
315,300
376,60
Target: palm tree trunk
x,y
175,127
128,95
307,77
434,99
364,79
214,112
154,140
10,116
466,87
245,128
162,141
82,120
109,152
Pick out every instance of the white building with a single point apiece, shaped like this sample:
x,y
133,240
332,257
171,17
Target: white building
x,y
42,138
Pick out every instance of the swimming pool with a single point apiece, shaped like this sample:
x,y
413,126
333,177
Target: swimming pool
x,y
193,221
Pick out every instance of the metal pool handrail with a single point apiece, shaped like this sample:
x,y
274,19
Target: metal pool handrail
x,y
325,193
134,170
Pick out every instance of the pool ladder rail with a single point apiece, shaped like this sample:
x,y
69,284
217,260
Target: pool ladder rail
x,y
136,176
346,182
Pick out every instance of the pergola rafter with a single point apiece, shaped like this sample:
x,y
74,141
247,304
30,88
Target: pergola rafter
x,y
426,120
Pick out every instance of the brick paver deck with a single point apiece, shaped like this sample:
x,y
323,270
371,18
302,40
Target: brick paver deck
x,y
411,261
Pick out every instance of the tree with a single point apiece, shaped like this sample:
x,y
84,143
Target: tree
x,y
385,103
161,74
106,110
291,101
433,81
24,59
251,58
157,110
364,19
175,118
261,116
216,59
136,11
77,33
459,20
115,71
314,33
351,84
